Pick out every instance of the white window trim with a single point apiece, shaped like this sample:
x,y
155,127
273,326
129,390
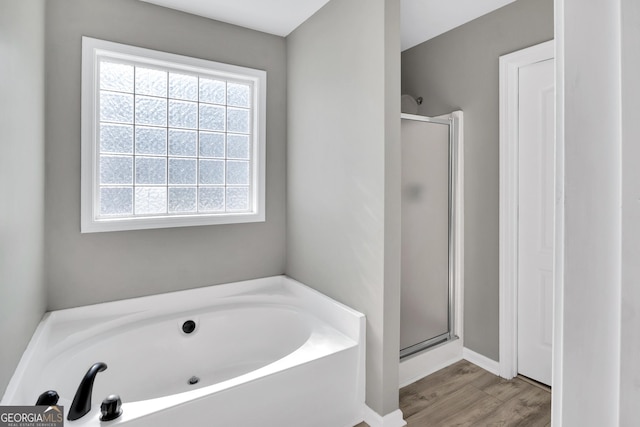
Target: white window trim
x,y
90,223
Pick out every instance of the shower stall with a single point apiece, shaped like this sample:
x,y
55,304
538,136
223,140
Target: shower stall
x,y
431,222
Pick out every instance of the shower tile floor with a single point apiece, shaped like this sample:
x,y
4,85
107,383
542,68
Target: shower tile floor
x,y
465,395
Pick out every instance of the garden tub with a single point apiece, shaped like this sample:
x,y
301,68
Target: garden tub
x,y
265,352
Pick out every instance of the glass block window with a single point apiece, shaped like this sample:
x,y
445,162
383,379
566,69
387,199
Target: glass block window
x,y
169,140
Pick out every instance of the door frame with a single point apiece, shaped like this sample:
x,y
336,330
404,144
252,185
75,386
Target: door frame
x,y
510,65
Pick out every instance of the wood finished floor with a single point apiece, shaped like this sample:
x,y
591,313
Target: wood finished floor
x,y
465,395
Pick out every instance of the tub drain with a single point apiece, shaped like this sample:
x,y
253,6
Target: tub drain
x,y
194,380
188,326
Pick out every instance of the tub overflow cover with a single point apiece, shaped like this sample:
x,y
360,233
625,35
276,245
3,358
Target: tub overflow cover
x,y
188,326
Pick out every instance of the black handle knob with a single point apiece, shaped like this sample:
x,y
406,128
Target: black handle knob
x,y
111,408
48,398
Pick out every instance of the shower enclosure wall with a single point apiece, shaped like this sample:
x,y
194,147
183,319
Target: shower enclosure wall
x,y
429,225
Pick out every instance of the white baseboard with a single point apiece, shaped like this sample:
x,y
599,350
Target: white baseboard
x,y
481,361
393,419
416,367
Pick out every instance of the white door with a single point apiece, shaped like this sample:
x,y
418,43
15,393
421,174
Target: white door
x,y
536,136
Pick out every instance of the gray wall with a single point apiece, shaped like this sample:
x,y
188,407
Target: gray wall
x,y
587,367
90,268
459,70
630,380
343,154
22,292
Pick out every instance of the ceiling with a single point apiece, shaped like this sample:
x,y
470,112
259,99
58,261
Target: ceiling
x,y
421,19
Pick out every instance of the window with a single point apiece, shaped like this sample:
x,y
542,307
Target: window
x,y
168,140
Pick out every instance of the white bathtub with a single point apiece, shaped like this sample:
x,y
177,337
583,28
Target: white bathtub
x,y
268,352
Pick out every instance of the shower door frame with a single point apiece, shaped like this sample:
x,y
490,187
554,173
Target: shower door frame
x,y
455,232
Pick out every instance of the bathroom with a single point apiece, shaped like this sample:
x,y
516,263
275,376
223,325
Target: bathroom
x,y
332,222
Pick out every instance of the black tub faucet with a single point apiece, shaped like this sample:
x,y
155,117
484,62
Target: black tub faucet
x,y
82,400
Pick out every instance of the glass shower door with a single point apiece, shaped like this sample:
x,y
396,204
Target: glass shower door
x,y
426,182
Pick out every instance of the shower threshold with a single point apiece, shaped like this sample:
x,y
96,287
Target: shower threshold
x,y
424,345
